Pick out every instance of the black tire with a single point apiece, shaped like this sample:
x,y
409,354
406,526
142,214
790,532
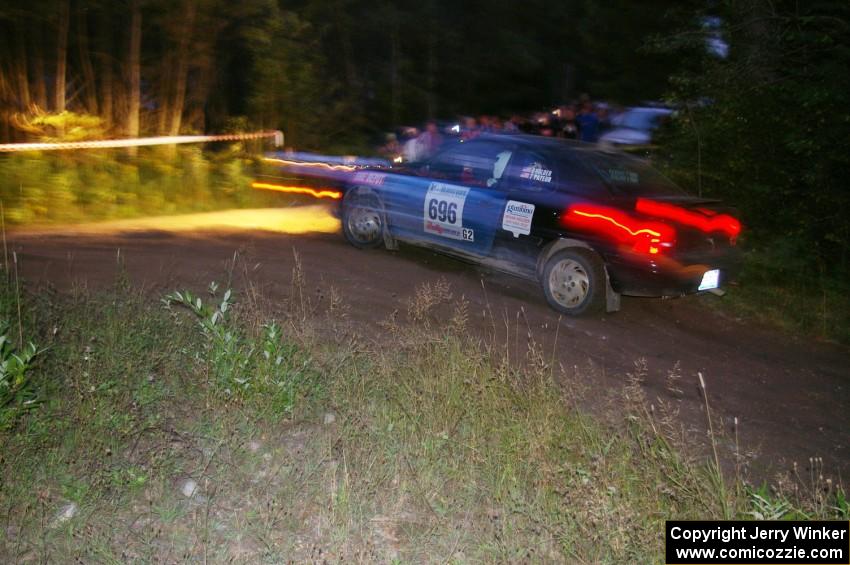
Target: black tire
x,y
363,218
573,282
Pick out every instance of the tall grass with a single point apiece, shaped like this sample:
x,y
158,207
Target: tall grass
x,y
159,438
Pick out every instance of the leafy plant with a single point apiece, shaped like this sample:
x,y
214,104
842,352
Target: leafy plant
x,y
240,363
16,391
230,355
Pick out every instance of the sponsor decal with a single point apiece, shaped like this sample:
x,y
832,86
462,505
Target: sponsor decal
x,y
536,172
517,217
623,176
368,177
443,211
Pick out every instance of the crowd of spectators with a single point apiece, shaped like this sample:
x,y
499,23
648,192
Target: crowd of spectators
x,y
582,120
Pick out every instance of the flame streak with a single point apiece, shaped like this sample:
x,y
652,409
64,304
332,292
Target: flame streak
x,y
618,224
643,236
314,192
310,164
707,221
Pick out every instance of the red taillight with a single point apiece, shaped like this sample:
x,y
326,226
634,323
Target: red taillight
x,y
643,236
704,220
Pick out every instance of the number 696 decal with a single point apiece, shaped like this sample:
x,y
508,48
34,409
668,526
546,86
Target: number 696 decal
x,y
443,211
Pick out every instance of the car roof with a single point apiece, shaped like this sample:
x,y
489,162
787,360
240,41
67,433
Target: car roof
x,y
538,141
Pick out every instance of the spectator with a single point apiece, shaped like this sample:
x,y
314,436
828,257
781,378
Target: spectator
x,y
513,125
470,129
569,127
588,123
544,124
392,148
429,141
411,151
604,117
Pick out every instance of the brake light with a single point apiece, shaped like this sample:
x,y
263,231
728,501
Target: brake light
x,y
643,236
703,219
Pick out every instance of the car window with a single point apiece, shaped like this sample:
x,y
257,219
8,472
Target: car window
x,y
532,172
577,178
477,163
628,176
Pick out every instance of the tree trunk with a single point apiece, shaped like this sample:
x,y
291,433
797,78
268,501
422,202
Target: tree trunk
x,y
395,83
23,76
134,70
90,86
39,88
186,32
166,76
61,55
345,41
105,69
431,75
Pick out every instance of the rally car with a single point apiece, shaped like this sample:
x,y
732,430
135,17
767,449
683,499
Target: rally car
x,y
588,223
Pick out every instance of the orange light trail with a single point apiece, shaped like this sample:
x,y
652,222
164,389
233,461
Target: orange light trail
x,y
310,164
315,193
644,237
616,223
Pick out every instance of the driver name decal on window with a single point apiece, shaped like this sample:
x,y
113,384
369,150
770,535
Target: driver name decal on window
x,y
536,172
517,217
622,176
443,211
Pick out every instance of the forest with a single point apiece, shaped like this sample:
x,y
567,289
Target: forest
x,y
324,71
760,87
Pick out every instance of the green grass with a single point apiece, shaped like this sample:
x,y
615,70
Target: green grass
x,y
785,291
60,187
423,447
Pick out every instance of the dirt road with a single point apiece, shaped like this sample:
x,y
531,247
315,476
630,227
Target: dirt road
x,y
791,397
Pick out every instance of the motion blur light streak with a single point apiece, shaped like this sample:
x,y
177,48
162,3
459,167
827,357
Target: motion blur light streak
x,y
310,164
645,237
314,192
316,218
707,222
138,142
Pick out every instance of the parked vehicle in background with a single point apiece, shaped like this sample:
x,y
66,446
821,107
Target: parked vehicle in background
x,y
635,127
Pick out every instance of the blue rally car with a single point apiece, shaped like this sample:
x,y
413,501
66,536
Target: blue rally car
x,y
589,224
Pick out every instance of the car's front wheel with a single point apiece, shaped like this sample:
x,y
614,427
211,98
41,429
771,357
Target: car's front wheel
x,y
574,282
363,218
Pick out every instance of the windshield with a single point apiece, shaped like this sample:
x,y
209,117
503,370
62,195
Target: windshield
x,y
628,176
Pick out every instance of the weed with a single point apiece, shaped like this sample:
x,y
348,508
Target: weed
x,y
243,365
17,394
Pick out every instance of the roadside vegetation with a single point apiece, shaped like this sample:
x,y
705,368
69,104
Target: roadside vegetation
x,y
209,424
62,187
764,127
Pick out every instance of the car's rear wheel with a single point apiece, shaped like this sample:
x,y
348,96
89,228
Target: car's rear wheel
x,y
363,219
574,282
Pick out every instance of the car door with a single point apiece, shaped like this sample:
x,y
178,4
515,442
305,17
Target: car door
x,y
456,203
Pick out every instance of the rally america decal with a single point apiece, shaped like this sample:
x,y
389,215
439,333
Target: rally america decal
x,y
517,218
368,177
443,211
